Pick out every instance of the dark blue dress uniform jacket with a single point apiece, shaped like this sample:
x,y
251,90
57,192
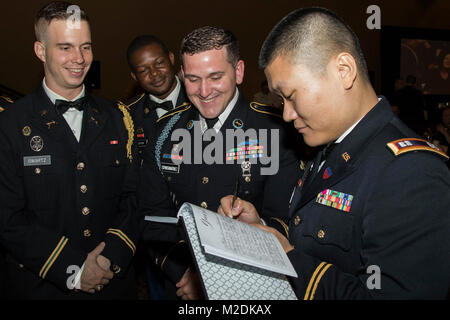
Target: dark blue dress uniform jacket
x,y
58,206
165,186
4,103
398,222
143,111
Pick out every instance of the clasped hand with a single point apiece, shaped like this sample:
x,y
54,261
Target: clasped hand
x,y
96,272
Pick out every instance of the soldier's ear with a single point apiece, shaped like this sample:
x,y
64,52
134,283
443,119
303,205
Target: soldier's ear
x,y
172,58
39,50
133,76
347,70
240,67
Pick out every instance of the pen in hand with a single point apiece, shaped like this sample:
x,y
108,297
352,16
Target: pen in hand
x,y
235,193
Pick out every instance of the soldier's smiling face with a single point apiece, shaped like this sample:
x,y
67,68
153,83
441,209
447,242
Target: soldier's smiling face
x,y
210,80
67,55
154,70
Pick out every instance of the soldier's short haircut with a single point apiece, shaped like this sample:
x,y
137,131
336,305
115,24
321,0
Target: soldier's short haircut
x,y
211,38
57,10
312,37
143,41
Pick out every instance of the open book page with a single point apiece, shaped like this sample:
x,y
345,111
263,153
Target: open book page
x,y
241,242
224,279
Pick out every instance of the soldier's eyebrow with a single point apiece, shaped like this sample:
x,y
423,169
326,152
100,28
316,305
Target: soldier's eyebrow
x,y
71,44
217,73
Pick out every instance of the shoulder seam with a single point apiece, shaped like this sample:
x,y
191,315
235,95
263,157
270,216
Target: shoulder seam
x,y
129,105
254,104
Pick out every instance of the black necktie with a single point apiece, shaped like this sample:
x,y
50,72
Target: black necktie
x,y
326,151
62,105
320,157
211,122
166,105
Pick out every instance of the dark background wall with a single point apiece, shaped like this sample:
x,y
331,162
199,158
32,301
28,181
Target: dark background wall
x,y
115,23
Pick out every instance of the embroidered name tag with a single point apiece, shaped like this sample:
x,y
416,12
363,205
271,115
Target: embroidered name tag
x,y
335,199
171,168
37,161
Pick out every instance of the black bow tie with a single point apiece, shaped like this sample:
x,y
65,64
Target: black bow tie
x,y
166,105
62,105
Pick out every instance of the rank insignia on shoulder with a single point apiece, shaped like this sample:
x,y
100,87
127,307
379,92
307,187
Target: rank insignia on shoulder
x,y
401,146
266,109
335,199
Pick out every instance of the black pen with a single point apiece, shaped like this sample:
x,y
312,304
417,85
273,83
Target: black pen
x,y
236,191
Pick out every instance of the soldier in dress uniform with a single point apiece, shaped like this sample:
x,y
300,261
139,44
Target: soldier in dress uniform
x,y
189,168
371,218
64,159
152,66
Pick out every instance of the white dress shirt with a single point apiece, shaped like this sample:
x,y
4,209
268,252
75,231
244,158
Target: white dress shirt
x,y
74,117
222,117
173,97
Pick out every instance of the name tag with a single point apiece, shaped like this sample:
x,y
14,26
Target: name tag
x,y
172,168
37,161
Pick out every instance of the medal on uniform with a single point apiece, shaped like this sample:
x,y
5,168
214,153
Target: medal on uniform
x,y
245,166
36,143
190,125
335,199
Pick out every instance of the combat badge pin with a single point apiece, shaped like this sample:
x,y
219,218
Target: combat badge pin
x,y
36,143
26,131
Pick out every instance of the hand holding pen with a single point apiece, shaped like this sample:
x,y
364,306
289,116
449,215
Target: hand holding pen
x,y
234,207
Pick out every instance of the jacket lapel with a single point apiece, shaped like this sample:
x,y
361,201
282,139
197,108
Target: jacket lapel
x,y
94,119
52,122
346,156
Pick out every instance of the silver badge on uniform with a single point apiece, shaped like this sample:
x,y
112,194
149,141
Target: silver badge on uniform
x,y
36,143
245,166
